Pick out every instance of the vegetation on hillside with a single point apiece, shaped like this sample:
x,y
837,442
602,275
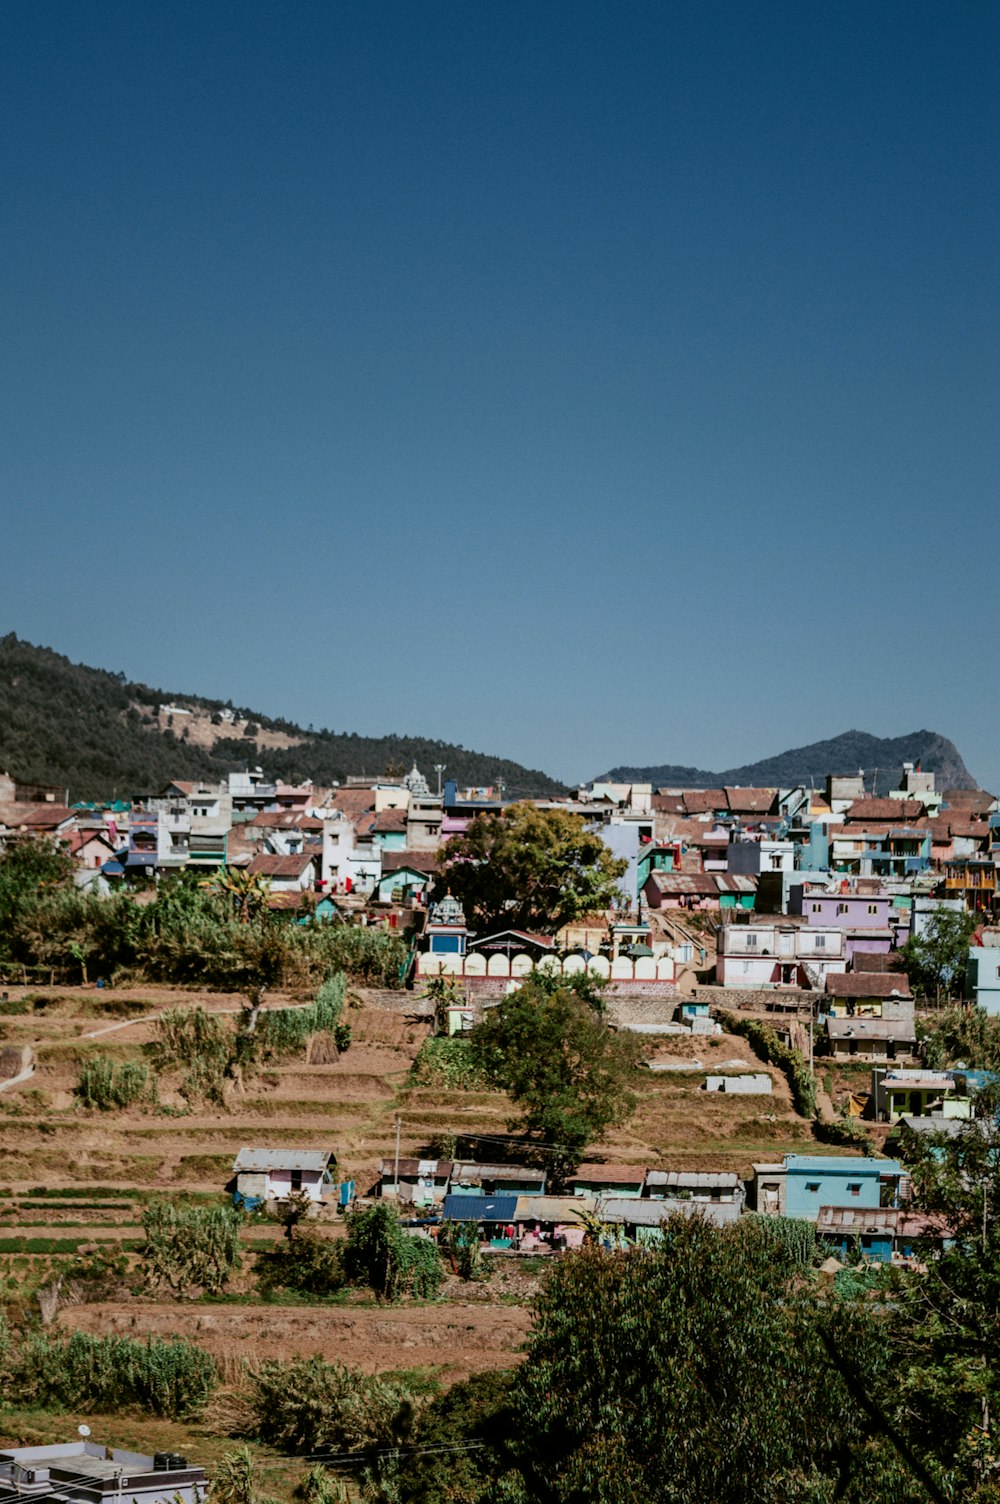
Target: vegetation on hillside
x,y
66,724
569,1075
51,929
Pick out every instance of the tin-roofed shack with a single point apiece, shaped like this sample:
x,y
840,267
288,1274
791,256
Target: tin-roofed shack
x,y
275,1174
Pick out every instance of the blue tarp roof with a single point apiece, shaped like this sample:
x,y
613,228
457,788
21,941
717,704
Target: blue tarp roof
x,y
459,1208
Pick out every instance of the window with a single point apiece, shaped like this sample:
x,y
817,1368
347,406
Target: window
x,y
841,908
296,1180
751,942
854,1187
817,908
813,1185
821,942
873,908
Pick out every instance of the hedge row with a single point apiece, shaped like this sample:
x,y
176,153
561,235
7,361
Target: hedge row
x,y
765,1043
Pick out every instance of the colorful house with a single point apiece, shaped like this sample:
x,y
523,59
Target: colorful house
x,y
610,1180
805,1183
275,1174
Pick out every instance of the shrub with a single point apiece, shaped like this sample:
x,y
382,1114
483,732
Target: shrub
x,y
846,1131
11,1005
284,1030
82,1372
201,1042
388,1260
105,1085
791,1239
765,1043
306,1262
308,1404
190,1246
449,1063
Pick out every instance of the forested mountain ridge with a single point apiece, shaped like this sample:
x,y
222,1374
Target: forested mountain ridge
x,y
840,754
101,735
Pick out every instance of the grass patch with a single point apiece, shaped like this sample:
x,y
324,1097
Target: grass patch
x,y
61,1245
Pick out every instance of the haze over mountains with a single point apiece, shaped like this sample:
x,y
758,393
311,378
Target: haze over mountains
x,y
101,735
880,757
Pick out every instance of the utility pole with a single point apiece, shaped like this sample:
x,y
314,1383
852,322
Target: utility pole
x,y
395,1173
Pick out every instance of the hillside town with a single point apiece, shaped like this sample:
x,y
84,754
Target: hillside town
x,y
799,892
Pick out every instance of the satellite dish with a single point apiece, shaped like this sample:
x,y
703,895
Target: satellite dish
x,y
83,1430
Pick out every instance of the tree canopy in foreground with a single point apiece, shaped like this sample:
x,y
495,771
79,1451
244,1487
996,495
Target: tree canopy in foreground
x,y
529,869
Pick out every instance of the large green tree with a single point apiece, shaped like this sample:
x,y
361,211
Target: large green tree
x,y
528,868
936,959
692,1372
947,1337
570,1075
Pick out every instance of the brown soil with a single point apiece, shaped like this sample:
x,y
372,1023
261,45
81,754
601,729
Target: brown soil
x,y
454,1339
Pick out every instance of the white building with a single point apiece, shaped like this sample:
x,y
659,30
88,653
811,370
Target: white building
x,y
752,956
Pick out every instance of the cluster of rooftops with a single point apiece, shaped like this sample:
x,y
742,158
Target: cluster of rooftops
x,y
844,1196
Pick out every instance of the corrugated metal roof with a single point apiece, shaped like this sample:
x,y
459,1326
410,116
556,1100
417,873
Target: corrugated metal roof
x,y
857,1219
467,1170
690,1179
437,1169
283,1159
553,1208
651,1213
871,1028
459,1208
640,1213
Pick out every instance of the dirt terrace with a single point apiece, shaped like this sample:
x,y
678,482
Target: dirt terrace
x,y
454,1339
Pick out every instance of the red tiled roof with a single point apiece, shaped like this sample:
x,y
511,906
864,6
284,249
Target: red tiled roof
x,y
703,801
749,800
390,820
873,960
884,809
46,816
266,865
612,1174
418,861
284,819
867,984
353,802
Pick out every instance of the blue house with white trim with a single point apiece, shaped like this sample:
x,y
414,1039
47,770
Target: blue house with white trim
x,y
803,1184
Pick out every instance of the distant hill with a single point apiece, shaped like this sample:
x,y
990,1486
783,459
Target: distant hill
x,y
100,735
841,754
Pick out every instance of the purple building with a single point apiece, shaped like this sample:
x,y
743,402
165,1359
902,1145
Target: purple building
x,y
864,917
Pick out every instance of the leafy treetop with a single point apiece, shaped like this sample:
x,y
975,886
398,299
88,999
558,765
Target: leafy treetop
x,y
530,869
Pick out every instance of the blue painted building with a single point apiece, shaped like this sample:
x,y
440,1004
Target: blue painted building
x,y
803,1184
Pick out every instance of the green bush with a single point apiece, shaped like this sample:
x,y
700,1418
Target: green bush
x,y
105,1085
306,1262
845,1131
791,1239
284,1030
199,1041
103,1373
449,1063
190,1246
12,1005
388,1260
308,1404
765,1043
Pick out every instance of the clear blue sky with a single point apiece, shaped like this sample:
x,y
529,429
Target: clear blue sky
x,y
586,383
